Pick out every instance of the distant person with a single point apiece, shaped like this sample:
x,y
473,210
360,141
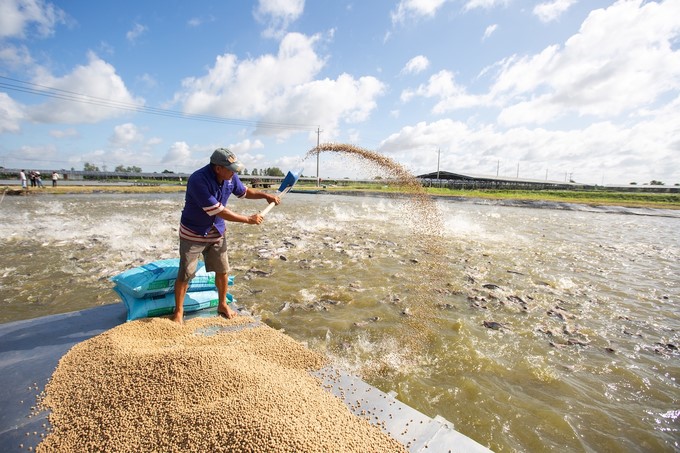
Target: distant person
x,y
31,176
38,180
202,225
55,178
22,178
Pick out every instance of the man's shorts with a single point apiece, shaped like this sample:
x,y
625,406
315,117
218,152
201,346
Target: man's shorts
x,y
214,255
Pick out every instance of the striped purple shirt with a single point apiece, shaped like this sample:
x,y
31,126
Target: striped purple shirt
x,y
205,198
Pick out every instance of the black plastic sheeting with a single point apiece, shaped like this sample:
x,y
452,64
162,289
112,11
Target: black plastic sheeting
x,y
29,353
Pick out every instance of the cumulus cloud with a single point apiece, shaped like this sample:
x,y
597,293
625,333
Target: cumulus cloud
x,y
280,89
407,9
19,17
451,95
416,65
15,57
93,87
278,15
616,83
11,114
125,135
601,150
179,153
552,10
38,153
182,156
623,58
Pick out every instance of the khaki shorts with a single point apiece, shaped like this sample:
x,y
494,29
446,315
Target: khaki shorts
x,y
214,255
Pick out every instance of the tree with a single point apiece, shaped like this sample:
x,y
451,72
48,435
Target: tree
x,y
254,173
122,169
654,182
168,171
90,167
273,171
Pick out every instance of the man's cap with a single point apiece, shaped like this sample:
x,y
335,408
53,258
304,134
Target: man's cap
x,y
225,158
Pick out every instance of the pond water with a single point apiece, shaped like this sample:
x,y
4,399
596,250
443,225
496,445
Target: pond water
x,y
528,328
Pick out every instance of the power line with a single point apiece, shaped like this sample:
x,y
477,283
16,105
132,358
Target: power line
x,y
56,93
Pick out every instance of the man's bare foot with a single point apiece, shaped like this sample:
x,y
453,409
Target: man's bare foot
x,y
226,312
177,317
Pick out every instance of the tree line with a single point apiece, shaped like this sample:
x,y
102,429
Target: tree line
x,y
269,171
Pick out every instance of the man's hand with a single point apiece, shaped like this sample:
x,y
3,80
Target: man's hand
x,y
255,219
273,199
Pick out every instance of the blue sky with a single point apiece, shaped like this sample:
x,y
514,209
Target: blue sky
x,y
543,89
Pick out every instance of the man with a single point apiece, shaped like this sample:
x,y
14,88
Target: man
x,y
202,226
22,178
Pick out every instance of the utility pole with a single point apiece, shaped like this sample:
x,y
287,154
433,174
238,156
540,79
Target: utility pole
x,y
318,134
517,170
498,167
439,151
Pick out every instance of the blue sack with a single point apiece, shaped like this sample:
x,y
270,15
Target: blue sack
x,y
158,278
164,304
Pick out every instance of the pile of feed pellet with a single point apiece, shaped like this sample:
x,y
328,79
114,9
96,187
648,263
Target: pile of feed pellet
x,y
155,385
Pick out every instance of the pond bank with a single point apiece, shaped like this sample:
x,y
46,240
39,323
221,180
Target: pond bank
x,y
512,197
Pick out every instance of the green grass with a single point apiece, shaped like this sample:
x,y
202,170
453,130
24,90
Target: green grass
x,y
665,200
591,197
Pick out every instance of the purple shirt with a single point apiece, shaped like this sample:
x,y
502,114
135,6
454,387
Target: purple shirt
x,y
205,197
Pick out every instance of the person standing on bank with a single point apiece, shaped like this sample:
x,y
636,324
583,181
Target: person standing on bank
x,y
202,225
22,178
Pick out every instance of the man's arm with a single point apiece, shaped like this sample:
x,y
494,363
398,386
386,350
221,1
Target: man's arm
x,y
254,219
231,216
257,194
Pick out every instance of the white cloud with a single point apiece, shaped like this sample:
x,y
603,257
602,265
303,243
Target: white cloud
x,y
147,80
38,153
198,21
125,135
278,14
415,9
136,32
485,4
94,86
489,31
15,57
11,114
245,151
281,89
64,133
18,16
550,11
622,59
245,146
179,153
451,95
416,65
600,149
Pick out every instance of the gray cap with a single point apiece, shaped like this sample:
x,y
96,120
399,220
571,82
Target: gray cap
x,y
225,158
